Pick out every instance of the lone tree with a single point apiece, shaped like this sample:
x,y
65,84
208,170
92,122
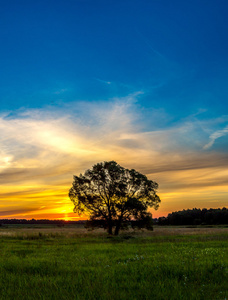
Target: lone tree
x,y
114,196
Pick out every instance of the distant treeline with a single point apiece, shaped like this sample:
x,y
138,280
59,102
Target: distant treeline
x,y
39,222
196,216
193,216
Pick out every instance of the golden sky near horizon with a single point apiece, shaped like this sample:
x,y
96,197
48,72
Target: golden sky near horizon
x,y
143,83
42,149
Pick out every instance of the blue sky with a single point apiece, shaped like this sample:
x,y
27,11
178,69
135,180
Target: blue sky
x,y
159,65
174,51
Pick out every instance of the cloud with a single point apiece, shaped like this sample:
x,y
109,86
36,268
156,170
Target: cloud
x,y
60,91
104,81
41,149
15,212
214,136
148,43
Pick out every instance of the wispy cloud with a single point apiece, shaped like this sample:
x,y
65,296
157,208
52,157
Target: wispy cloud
x,y
41,149
104,81
149,44
214,136
60,91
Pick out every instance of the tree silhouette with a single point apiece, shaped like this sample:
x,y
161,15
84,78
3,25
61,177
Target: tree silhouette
x,y
112,196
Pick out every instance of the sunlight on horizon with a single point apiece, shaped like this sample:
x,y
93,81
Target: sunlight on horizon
x,y
36,181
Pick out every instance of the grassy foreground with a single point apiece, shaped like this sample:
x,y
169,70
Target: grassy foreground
x,y
52,265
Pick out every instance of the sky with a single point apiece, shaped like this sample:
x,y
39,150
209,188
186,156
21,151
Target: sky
x,y
141,82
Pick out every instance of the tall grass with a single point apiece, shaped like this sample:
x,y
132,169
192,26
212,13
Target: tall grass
x,y
54,266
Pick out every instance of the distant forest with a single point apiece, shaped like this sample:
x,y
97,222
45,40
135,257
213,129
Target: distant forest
x,y
193,216
196,216
39,222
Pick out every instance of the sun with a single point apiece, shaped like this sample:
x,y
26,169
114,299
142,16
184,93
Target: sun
x,y
66,218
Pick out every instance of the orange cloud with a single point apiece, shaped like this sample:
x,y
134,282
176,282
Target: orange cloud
x,y
42,149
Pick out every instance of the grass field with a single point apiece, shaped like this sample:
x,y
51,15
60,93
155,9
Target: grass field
x,y
71,263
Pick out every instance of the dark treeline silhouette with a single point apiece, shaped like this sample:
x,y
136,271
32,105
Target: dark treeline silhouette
x,y
40,222
196,216
193,216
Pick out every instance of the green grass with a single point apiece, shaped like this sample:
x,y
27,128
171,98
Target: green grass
x,y
90,266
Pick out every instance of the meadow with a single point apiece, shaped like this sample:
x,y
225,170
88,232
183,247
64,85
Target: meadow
x,y
47,262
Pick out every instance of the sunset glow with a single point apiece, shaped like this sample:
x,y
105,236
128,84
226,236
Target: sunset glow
x,y
143,85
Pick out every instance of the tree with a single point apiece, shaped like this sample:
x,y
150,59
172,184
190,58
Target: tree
x,y
114,196
196,216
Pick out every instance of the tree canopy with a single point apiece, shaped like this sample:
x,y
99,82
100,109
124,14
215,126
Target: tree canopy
x,y
112,196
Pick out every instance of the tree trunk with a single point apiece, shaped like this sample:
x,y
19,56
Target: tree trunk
x,y
118,225
110,229
110,225
109,219
117,229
